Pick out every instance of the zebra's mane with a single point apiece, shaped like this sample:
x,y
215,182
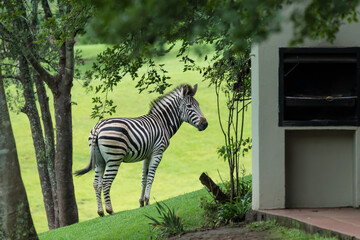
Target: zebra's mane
x,y
175,91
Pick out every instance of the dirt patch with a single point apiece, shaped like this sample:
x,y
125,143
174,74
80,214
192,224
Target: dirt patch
x,y
240,232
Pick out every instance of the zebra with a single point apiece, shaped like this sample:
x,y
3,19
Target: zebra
x,y
145,138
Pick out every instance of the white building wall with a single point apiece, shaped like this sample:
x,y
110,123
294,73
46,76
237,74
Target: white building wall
x,y
268,138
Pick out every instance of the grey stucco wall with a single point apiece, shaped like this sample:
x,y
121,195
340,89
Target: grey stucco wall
x,y
268,155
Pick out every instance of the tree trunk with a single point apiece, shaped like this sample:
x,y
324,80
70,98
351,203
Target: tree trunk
x,y
43,99
15,217
232,184
68,213
31,111
213,188
49,141
60,169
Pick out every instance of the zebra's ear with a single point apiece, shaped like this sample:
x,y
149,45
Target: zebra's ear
x,y
185,90
189,91
194,89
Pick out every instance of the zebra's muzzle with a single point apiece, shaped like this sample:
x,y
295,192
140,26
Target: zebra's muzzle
x,y
202,124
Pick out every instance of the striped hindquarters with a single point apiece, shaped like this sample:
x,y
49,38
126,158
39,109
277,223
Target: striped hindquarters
x,y
123,139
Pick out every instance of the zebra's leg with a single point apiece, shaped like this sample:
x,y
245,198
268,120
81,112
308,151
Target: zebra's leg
x,y
110,174
99,172
154,163
145,170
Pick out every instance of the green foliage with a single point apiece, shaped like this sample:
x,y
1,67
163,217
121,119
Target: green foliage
x,y
233,212
189,21
229,212
245,187
322,19
100,107
152,77
245,146
62,26
170,223
118,62
209,21
26,27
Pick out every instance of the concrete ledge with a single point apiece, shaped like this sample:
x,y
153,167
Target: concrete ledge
x,y
287,221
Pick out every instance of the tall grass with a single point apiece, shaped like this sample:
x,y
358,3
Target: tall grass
x,y
190,152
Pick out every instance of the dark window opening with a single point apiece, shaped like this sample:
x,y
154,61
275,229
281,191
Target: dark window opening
x,y
319,86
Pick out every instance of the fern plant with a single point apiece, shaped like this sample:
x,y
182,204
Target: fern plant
x,y
169,223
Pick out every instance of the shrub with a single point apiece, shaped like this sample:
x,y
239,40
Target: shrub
x,y
233,212
170,224
229,212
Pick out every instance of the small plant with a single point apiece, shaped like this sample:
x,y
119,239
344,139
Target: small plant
x,y
169,224
210,208
244,185
229,212
233,212
262,226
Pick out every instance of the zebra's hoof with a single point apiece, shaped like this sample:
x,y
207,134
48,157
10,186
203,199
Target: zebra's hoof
x,y
101,213
111,212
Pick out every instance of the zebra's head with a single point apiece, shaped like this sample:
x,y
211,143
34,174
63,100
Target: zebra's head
x,y
189,108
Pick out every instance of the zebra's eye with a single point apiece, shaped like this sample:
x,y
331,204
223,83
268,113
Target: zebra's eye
x,y
188,105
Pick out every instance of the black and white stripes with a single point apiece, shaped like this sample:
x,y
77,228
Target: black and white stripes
x,y
117,140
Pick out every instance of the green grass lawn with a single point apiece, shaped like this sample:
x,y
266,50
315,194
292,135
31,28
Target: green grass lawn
x,y
190,152
132,224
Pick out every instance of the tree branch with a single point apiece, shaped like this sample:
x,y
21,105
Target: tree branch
x,y
47,10
44,75
16,77
29,49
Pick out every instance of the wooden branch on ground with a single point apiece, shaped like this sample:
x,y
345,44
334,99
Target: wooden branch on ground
x,y
213,188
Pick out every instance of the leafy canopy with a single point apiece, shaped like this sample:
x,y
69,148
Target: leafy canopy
x,y
142,30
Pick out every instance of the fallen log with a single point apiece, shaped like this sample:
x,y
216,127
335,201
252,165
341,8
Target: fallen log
x,y
213,188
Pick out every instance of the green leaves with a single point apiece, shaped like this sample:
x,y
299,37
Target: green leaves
x,y
233,212
233,22
122,60
246,145
243,145
101,108
165,21
153,78
229,212
321,19
170,223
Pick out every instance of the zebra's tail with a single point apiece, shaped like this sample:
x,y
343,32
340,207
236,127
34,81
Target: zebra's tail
x,y
91,164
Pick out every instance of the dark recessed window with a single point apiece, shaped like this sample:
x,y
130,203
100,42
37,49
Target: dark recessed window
x,y
319,87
